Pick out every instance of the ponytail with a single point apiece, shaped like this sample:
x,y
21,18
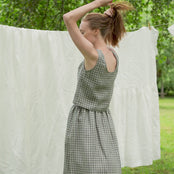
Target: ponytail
x,y
111,25
116,25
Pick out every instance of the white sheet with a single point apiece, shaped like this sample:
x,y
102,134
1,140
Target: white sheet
x,y
171,29
135,106
38,76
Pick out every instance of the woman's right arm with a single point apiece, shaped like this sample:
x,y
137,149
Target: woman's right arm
x,y
71,18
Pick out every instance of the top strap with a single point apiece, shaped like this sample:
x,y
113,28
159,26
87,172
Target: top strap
x,y
103,60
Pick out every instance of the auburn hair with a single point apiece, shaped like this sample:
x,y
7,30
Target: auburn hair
x,y
111,27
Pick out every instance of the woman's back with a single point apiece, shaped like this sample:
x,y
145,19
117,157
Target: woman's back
x,y
95,86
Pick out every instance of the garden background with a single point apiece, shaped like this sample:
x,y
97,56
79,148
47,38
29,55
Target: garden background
x,y
48,15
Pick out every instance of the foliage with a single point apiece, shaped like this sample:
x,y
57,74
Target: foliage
x,y
165,58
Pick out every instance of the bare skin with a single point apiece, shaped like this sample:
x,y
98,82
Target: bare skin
x,y
87,40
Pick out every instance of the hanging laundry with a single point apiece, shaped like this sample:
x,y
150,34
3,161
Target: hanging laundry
x,y
134,104
171,29
37,84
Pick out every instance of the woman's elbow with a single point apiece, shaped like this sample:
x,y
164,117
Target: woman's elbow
x,y
66,17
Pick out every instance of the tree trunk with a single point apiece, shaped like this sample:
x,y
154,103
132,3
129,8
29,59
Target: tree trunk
x,y
162,88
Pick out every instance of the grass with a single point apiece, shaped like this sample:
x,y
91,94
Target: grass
x,y
165,165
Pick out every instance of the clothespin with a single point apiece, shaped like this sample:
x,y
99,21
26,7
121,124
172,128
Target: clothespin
x,y
149,26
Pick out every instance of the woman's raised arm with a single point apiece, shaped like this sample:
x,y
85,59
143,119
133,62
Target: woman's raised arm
x,y
71,18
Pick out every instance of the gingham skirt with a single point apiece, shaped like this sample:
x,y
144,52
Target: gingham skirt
x,y
91,145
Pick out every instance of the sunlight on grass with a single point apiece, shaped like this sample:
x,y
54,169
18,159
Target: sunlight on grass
x,y
165,165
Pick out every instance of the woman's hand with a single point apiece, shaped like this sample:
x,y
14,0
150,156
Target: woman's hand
x,y
104,2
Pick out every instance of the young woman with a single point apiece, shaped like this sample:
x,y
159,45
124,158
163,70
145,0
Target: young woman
x,y
91,145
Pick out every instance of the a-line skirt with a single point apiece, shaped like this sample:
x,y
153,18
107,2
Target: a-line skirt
x,y
91,145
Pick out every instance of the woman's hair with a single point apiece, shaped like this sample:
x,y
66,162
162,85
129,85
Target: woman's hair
x,y
111,27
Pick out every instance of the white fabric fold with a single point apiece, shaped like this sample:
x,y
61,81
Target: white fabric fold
x,y
171,29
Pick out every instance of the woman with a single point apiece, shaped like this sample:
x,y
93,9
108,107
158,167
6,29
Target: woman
x,y
91,145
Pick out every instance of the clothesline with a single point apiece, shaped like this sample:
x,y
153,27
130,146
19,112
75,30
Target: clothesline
x,y
129,30
152,25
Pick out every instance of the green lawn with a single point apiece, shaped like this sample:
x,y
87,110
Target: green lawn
x,y
166,164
